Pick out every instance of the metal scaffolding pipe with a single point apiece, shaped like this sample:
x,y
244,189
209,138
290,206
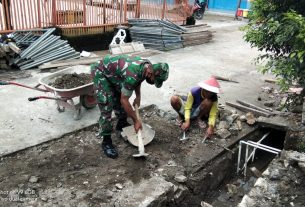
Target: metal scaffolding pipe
x,y
55,46
35,63
43,45
32,46
255,146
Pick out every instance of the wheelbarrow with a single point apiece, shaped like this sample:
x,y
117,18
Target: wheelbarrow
x,y
64,97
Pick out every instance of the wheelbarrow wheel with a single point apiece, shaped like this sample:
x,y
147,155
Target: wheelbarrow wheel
x,y
87,101
60,109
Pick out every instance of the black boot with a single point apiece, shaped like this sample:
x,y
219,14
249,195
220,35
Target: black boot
x,y
108,148
121,124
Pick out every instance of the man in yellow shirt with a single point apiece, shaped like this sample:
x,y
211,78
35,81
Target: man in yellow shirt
x,y
201,103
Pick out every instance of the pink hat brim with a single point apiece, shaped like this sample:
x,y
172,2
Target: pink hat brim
x,y
209,88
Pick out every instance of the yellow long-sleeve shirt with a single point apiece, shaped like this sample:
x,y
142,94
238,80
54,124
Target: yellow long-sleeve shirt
x,y
189,104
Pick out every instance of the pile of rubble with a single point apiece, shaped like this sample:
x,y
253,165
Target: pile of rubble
x,y
165,35
281,184
27,49
230,122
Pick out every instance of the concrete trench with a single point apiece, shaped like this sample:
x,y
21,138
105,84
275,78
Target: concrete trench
x,y
205,179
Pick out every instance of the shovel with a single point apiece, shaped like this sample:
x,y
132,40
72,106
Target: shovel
x,y
140,138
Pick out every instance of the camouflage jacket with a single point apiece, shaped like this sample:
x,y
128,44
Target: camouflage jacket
x,y
124,72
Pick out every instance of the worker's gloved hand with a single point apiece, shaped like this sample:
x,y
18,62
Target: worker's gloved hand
x,y
185,126
136,101
137,126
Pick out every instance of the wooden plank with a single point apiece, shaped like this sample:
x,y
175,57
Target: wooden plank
x,y
248,109
225,79
252,106
196,28
196,37
86,61
270,80
195,42
196,32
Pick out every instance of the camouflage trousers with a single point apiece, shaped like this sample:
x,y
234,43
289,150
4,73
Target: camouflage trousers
x,y
108,98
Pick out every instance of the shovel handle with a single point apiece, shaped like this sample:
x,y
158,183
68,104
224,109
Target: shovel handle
x,y
140,137
137,112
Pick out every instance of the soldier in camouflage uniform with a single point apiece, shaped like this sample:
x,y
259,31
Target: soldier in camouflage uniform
x,y
115,78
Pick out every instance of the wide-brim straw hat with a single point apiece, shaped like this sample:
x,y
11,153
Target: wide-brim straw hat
x,y
211,85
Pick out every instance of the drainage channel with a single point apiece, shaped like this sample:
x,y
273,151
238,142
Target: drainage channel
x,y
221,185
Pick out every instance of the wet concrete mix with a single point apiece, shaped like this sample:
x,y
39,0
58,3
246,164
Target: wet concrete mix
x,y
73,80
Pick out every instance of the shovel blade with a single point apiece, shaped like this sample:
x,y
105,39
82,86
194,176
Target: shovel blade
x,y
130,134
140,155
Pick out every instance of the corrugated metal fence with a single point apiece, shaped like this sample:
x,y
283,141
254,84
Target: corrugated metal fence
x,y
77,17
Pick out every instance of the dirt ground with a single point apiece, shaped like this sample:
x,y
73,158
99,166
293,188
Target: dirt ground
x,y
73,170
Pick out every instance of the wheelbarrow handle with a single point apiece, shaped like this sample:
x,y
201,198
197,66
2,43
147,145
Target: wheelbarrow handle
x,y
21,85
46,97
2,83
33,98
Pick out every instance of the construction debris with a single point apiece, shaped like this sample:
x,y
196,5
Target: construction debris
x,y
180,178
250,118
248,109
242,118
223,125
252,106
33,179
256,172
239,125
31,48
204,204
223,133
165,35
269,103
295,90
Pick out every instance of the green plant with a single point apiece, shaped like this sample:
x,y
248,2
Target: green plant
x,y
277,27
